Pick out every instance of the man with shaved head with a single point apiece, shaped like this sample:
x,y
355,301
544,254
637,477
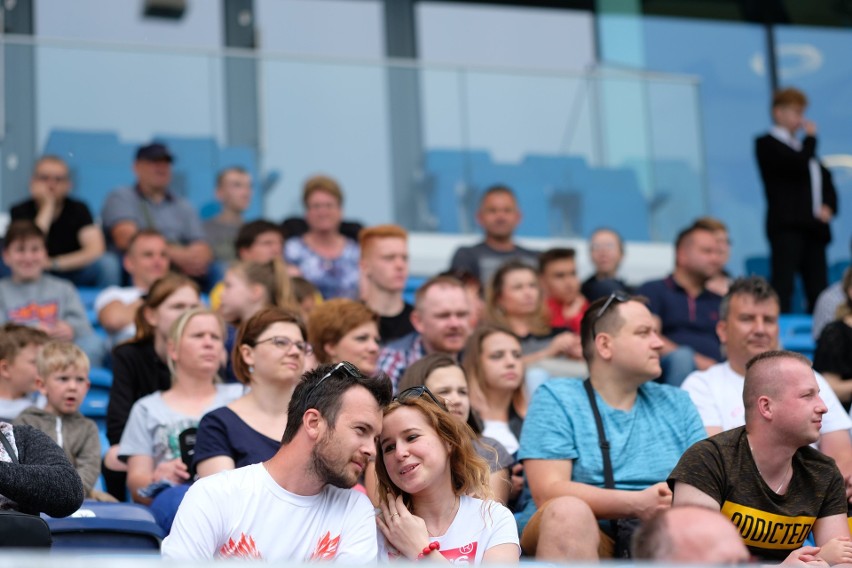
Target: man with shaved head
x,y
764,476
689,535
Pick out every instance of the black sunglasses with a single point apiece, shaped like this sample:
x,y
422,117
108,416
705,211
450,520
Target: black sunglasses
x,y
619,296
417,392
347,367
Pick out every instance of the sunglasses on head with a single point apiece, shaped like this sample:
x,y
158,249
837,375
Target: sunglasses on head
x,y
619,296
417,392
347,367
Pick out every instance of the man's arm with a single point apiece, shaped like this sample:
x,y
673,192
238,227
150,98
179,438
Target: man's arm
x,y
116,315
552,478
122,232
192,259
92,246
685,494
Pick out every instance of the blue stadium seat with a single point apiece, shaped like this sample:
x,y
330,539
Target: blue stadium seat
x,y
795,333
100,378
95,403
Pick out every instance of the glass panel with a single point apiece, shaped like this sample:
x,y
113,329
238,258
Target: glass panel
x,y
817,61
729,59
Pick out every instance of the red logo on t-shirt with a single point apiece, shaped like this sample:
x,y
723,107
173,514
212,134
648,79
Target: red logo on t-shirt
x,y
32,313
461,555
326,548
244,548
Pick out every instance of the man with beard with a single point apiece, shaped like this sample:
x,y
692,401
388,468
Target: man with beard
x,y
687,310
298,505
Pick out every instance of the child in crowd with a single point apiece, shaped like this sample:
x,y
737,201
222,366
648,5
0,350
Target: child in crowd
x,y
43,301
63,379
557,269
19,347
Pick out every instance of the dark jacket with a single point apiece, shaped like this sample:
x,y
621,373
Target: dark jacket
x,y
787,184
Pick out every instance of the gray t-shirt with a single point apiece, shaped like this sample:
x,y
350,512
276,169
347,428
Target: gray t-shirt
x,y
44,301
483,261
153,428
174,216
221,236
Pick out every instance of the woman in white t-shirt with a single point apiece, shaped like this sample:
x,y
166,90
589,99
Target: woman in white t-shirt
x,y
434,489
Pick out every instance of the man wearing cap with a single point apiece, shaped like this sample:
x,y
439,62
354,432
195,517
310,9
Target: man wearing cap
x,y
150,204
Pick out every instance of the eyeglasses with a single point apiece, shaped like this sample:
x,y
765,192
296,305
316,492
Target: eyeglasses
x,y
417,392
285,343
347,367
619,296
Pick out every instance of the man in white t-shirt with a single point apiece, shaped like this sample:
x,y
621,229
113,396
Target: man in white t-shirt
x,y
146,261
298,505
748,326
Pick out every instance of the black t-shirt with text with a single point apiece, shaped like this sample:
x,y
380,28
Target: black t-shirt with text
x,y
771,525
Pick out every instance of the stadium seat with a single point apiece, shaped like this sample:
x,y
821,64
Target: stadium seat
x,y
795,333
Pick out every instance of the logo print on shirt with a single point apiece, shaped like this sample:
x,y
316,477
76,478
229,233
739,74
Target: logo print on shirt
x,y
762,529
34,312
461,555
326,548
244,548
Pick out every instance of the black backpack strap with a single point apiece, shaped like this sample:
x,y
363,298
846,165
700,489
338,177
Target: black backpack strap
x,y
609,481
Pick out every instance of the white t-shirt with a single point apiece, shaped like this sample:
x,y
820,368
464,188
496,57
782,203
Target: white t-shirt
x,y
124,294
501,432
243,513
477,527
718,395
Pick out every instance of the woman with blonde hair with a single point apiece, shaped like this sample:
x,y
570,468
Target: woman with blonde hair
x,y
247,288
269,357
140,366
434,493
151,443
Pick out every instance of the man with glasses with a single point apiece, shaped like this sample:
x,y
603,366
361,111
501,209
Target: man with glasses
x,y
584,507
298,505
75,245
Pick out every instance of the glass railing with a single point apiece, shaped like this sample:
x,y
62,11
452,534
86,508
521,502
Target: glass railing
x,y
413,144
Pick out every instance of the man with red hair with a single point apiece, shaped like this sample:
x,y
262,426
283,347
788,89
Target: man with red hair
x,y
384,271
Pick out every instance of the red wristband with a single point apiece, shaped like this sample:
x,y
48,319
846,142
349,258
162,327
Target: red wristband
x,y
427,549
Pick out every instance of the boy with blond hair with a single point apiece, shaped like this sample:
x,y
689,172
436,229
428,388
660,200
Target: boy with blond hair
x,y
63,379
19,346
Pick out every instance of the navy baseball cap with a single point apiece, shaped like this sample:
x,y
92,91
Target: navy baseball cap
x,y
155,152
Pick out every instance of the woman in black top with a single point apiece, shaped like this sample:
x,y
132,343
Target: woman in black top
x,y
139,365
833,355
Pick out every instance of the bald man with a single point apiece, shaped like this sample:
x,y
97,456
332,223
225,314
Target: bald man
x,y
689,535
764,476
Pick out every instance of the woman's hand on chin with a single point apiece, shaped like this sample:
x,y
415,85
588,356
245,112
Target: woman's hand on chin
x,y
406,532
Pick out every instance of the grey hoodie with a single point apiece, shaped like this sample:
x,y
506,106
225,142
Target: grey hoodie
x,y
75,434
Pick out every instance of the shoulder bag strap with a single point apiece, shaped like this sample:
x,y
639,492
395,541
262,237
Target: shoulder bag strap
x,y
609,481
9,449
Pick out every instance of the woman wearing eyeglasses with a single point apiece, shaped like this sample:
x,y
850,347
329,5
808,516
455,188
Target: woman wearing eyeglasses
x,y
433,488
345,330
269,357
247,288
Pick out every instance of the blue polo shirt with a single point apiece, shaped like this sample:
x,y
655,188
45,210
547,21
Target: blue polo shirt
x,y
686,320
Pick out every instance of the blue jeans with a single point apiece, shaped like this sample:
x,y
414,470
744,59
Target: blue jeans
x,y
677,365
105,271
